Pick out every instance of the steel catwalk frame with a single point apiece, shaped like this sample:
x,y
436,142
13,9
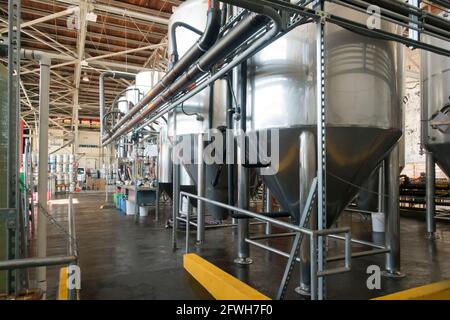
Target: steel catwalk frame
x,y
314,235
321,152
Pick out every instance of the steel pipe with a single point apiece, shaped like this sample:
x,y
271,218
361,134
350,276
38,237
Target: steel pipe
x,y
255,47
208,38
392,222
430,194
254,215
243,187
44,97
36,262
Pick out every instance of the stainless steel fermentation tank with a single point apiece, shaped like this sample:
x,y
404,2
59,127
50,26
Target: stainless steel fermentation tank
x,y
193,117
145,81
435,78
363,109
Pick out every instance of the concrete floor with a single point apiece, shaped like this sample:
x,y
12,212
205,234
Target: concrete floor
x,y
125,258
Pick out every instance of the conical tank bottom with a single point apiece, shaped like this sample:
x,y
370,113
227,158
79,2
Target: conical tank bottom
x,y
441,153
215,186
167,188
352,155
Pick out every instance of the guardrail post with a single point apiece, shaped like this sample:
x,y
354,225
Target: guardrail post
x,y
313,268
200,190
188,222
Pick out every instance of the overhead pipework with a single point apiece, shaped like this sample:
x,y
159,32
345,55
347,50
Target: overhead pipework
x,y
224,46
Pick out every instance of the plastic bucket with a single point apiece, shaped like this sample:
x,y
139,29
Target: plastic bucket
x,y
377,221
130,208
118,200
122,204
143,211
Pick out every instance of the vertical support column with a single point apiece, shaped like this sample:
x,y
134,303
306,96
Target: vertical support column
x,y
75,121
307,173
392,220
44,89
430,195
12,187
243,189
176,182
321,149
200,190
230,143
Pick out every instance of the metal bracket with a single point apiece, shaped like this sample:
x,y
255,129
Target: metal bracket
x,y
441,120
322,16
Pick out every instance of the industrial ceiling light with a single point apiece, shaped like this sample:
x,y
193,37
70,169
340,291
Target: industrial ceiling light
x,y
85,77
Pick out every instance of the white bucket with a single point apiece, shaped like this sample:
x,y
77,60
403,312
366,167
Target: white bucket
x,y
377,221
131,209
184,205
143,211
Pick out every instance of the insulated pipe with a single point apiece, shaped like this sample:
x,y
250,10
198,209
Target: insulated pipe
x,y
392,222
242,32
430,194
173,39
406,10
206,41
255,47
44,92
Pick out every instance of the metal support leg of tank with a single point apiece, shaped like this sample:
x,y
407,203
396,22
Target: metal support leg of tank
x,y
308,165
243,188
381,189
106,165
268,201
200,191
243,224
430,195
176,203
392,222
157,195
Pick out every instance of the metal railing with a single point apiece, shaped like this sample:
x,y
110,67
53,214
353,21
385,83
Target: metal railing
x,y
70,259
314,235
